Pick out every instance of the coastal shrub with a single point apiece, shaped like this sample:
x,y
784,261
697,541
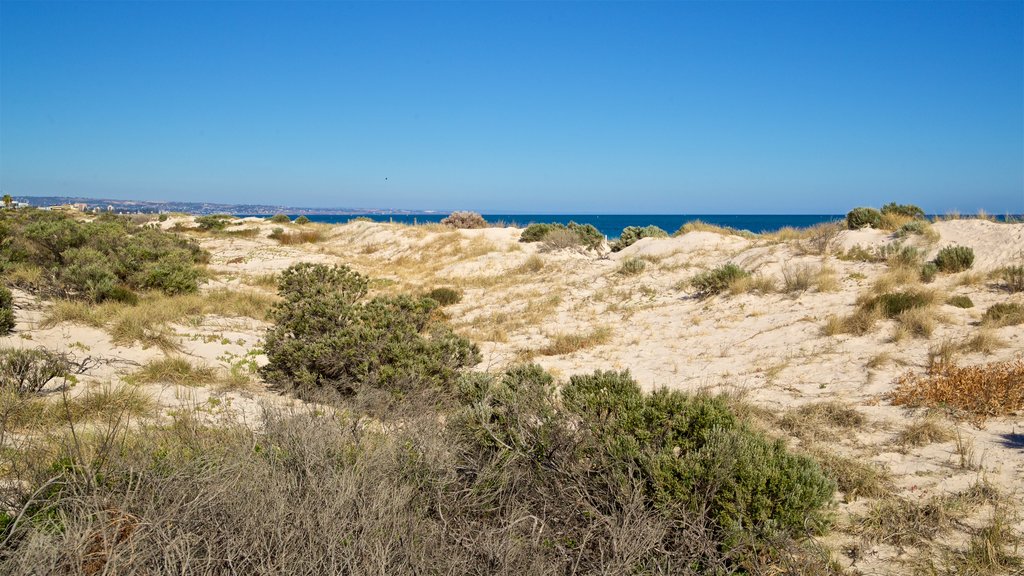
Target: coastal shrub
x,y
863,218
897,255
919,228
280,219
556,236
893,304
96,260
928,272
6,311
464,220
717,280
445,296
602,443
536,232
326,336
907,210
632,266
1013,278
27,371
954,258
960,302
302,219
630,234
1004,314
213,222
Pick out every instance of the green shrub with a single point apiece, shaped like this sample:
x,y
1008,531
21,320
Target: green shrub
x,y
960,302
693,452
1013,278
717,280
280,219
6,311
908,210
326,337
954,258
162,218
928,272
537,232
590,237
1004,314
303,219
445,296
632,266
918,227
27,371
897,255
94,259
862,218
213,222
464,220
892,304
630,234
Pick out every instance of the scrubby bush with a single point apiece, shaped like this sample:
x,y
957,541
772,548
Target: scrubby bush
x,y
27,371
445,296
280,219
862,218
325,336
918,227
557,236
6,311
928,272
892,304
630,234
954,258
1004,314
632,266
464,220
906,210
717,280
213,222
105,258
1013,278
685,457
960,302
301,220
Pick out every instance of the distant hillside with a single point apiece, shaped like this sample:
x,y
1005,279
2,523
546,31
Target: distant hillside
x,y
151,206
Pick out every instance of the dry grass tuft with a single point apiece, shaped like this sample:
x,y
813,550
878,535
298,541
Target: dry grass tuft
x,y
814,420
174,370
924,431
977,391
853,477
300,237
574,342
701,226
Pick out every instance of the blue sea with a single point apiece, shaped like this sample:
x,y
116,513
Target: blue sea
x,y
611,225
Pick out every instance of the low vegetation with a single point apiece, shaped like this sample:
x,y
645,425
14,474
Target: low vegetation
x,y
976,392
1012,278
632,266
280,219
6,311
106,258
464,220
29,370
297,237
445,296
717,280
556,236
567,343
960,301
863,218
1004,314
630,234
954,259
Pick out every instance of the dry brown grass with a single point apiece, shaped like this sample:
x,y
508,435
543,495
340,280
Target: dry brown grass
x,y
977,392
854,477
567,343
300,237
924,431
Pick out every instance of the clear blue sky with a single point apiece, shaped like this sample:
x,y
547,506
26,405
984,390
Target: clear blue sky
x,y
687,107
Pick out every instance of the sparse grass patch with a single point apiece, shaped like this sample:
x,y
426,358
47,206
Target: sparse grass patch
x,y
717,280
1004,314
960,301
977,392
918,322
532,265
1012,278
567,343
901,522
174,370
309,236
814,420
985,341
924,431
631,267
853,477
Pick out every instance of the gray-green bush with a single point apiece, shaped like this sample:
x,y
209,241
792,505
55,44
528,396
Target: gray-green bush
x,y
326,336
954,258
630,234
863,218
28,370
6,311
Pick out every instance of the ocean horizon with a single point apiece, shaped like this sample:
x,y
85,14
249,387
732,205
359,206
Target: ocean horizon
x,y
610,225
